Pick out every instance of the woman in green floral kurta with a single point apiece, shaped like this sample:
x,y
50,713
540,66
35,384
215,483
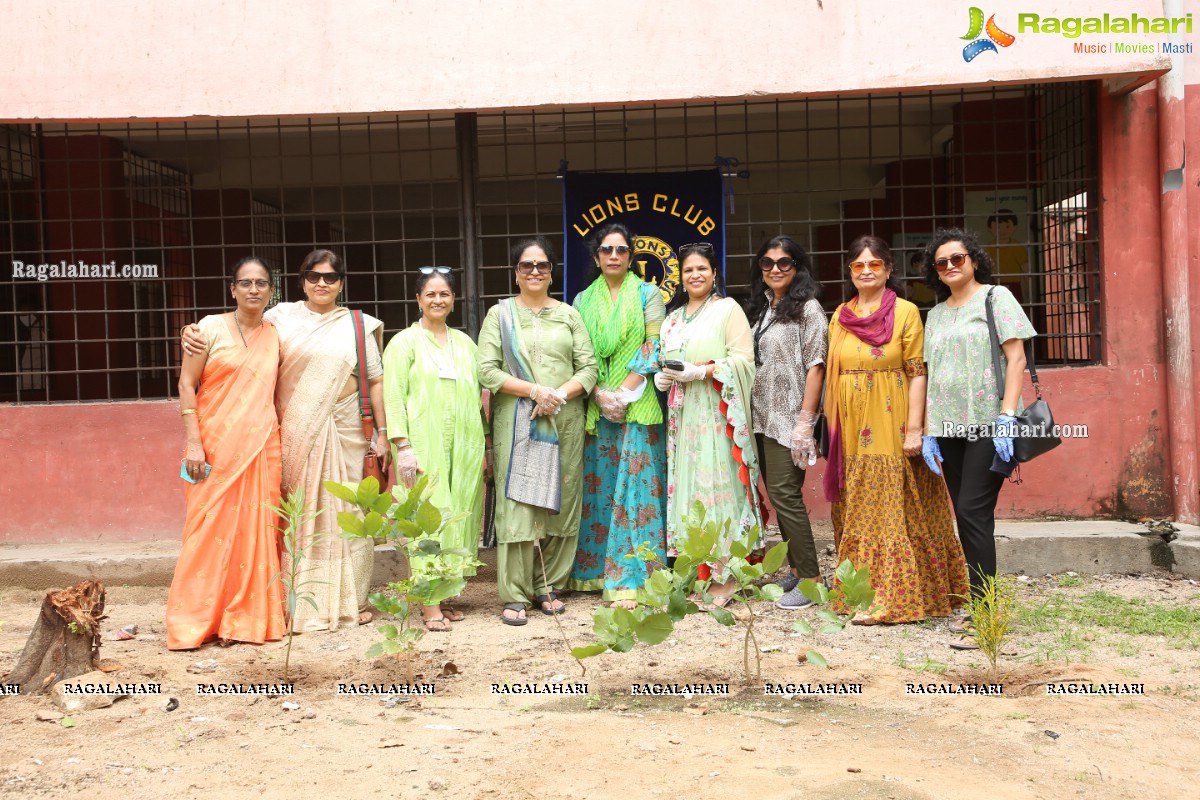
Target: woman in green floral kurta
x,y
710,449
431,391
553,344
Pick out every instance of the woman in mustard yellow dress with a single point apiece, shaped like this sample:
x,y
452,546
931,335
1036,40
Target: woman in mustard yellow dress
x,y
889,512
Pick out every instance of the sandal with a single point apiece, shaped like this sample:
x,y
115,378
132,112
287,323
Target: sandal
x,y
629,605
550,599
453,614
436,624
518,608
864,619
962,625
718,601
964,643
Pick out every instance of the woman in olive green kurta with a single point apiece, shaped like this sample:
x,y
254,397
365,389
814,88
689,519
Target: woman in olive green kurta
x,y
431,388
555,346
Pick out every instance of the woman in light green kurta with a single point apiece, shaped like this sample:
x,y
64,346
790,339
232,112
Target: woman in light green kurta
x,y
431,387
711,456
549,345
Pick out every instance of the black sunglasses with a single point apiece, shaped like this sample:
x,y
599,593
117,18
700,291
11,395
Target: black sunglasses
x,y
608,249
438,270
700,246
330,278
785,264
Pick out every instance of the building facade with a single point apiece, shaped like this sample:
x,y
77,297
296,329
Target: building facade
x,y
142,152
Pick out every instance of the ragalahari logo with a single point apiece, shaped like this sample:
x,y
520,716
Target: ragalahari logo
x,y
979,44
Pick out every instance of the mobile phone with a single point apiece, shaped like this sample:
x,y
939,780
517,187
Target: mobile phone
x,y
183,473
673,364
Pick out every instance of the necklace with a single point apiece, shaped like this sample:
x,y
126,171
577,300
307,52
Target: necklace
x,y
238,322
689,317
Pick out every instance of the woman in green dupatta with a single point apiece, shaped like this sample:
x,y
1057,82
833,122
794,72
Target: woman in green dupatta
x,y
536,360
625,456
432,398
710,445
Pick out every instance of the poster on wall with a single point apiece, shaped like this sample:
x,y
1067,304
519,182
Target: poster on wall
x,y
664,210
1000,218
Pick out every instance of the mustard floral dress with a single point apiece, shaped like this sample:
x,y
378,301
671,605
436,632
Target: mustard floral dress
x,y
894,514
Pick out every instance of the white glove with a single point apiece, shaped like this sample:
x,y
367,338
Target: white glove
x,y
662,382
612,407
804,449
690,372
407,466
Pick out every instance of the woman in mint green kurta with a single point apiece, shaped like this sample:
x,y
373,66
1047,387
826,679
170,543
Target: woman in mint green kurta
x,y
710,449
431,392
552,344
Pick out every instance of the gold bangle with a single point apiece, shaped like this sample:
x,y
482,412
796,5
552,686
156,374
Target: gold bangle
x,y
183,412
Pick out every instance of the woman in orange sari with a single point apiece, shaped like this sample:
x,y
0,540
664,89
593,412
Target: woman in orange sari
x,y
224,585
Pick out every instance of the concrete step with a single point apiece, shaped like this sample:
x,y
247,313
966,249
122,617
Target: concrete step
x,y
1089,547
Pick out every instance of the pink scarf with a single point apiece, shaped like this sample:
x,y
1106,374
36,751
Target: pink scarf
x,y
876,330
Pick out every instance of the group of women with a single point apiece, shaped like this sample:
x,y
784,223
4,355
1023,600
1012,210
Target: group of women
x,y
608,419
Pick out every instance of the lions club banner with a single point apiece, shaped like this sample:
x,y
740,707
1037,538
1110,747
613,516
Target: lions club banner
x,y
665,210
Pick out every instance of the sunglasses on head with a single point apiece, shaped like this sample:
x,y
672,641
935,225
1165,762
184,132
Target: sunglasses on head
x,y
438,270
330,278
875,265
702,247
784,264
608,249
943,264
529,267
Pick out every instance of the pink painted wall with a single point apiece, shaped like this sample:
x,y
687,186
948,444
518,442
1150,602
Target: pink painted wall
x,y
117,59
89,472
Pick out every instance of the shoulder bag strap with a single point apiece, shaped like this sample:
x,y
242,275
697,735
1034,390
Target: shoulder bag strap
x,y
360,345
994,338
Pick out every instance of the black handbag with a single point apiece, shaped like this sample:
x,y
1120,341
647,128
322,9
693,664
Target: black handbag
x,y
821,429
1036,423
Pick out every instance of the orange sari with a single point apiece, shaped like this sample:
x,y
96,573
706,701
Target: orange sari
x,y
224,584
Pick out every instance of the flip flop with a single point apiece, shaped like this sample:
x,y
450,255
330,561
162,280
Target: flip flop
x,y
962,625
515,621
964,643
550,598
436,624
864,620
453,614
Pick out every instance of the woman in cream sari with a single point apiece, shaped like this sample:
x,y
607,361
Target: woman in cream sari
x,y
317,399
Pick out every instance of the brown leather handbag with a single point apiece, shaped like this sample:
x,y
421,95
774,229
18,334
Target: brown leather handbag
x,y
371,465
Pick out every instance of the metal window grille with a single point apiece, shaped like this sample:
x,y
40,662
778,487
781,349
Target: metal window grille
x,y
393,193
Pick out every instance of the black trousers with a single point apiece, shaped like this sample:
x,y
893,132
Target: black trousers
x,y
974,490
785,484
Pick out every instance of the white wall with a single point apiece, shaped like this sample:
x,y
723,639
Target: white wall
x,y
119,59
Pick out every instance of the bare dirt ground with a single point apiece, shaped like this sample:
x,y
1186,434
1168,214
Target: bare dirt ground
x,y
467,742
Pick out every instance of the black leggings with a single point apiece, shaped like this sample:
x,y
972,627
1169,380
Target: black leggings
x,y
974,490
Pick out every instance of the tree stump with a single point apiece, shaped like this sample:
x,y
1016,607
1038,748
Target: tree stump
x,y
65,641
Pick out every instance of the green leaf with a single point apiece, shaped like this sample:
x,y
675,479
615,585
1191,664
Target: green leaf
x,y
391,647
772,592
660,582
813,657
802,626
813,591
677,605
428,545
410,635
587,651
372,523
375,650
722,616
827,615
655,628
67,722
351,523
368,492
738,550
408,529
447,588
624,643
832,627
429,518
382,504
388,631
342,491
845,571
774,558
308,599
624,619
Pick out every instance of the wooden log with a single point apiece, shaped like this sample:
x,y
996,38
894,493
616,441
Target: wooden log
x,y
65,640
